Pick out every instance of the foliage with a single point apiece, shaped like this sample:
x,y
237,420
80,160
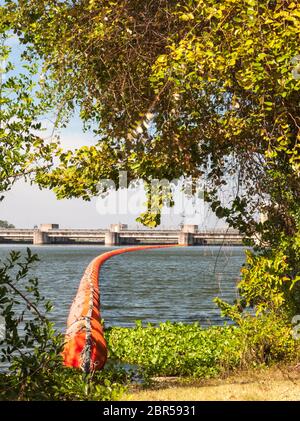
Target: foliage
x,y
23,152
25,312
31,349
66,384
267,339
176,349
195,88
269,283
5,224
268,299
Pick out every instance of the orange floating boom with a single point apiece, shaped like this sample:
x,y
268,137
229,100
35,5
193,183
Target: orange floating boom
x,y
85,346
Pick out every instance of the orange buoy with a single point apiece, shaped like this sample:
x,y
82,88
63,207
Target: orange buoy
x,y
85,346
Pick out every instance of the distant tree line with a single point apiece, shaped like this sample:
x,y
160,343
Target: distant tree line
x,y
5,224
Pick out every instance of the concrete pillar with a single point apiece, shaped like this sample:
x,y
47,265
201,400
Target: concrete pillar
x,y
185,239
47,227
112,238
117,227
40,238
190,228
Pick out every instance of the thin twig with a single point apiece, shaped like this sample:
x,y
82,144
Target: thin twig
x,y
27,301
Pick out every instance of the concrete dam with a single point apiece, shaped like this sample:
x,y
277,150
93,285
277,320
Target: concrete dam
x,y
119,234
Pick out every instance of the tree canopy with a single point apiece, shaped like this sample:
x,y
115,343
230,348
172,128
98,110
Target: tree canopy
x,y
195,89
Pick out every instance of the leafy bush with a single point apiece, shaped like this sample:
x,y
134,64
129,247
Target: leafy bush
x,y
65,384
267,339
266,282
270,280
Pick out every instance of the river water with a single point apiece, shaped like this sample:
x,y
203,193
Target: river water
x,y
176,284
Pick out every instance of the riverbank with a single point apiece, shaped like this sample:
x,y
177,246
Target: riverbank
x,y
280,383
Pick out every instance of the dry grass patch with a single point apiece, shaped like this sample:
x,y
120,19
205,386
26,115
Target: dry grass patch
x,y
280,383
